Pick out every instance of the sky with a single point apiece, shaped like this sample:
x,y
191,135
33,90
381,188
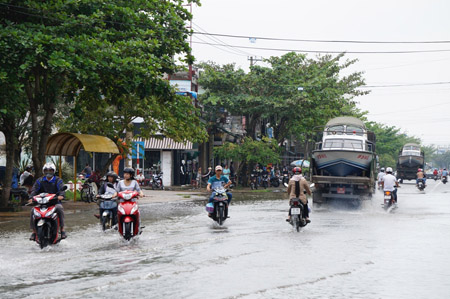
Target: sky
x,y
419,104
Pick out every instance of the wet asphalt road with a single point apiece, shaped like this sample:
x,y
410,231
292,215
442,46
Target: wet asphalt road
x,y
343,253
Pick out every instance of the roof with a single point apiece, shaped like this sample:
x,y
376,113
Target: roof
x,y
345,120
412,144
69,144
165,144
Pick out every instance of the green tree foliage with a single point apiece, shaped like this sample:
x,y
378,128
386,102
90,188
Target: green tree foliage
x,y
90,55
271,93
389,142
250,151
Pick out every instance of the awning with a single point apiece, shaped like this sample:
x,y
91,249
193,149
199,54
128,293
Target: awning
x,y
164,144
69,144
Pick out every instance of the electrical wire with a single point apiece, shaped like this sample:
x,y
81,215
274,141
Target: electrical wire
x,y
324,41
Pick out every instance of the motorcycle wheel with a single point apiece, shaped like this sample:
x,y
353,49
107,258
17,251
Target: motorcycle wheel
x,y
276,183
84,195
42,232
127,232
220,217
296,222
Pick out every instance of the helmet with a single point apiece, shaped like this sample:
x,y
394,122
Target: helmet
x,y
297,169
49,166
389,170
112,174
129,170
419,170
29,167
382,169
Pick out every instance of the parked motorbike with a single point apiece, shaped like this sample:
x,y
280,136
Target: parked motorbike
x,y
421,184
389,203
444,179
265,181
108,204
285,179
46,219
297,212
128,216
219,207
253,181
157,182
275,181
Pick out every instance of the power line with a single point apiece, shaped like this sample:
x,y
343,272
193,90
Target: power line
x,y
329,52
324,41
222,49
408,84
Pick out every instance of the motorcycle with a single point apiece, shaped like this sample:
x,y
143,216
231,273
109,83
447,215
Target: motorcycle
x,y
275,181
444,179
253,181
421,184
380,185
265,181
389,203
435,177
108,205
128,216
218,208
46,219
297,212
285,179
157,182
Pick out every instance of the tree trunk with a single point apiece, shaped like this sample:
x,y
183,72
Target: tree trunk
x,y
108,163
9,130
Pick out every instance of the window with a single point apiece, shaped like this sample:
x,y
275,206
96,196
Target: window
x,y
354,130
335,130
344,143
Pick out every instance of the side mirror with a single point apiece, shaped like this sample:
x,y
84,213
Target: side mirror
x,y
110,185
64,188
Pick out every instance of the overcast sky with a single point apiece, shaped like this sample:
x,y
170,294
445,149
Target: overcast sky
x,y
419,110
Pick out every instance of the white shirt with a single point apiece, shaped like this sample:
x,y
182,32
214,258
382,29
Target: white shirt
x,y
380,176
389,182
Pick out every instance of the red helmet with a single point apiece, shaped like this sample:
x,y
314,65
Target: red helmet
x,y
297,169
419,170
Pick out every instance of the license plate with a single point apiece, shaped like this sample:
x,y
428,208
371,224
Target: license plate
x,y
387,197
341,190
295,211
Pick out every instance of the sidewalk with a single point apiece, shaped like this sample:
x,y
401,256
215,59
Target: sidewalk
x,y
151,196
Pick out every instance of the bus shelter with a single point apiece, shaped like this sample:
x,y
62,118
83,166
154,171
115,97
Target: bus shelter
x,y
70,144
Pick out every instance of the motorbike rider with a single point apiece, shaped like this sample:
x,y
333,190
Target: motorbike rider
x,y
111,177
421,176
445,173
389,183
52,184
435,172
213,181
381,174
296,187
129,183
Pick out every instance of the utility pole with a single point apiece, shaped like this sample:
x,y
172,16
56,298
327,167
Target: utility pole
x,y
253,60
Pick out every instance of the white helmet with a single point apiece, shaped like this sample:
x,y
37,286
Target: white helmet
x,y
49,165
389,170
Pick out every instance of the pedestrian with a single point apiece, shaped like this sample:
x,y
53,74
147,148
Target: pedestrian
x,y
226,172
26,178
87,171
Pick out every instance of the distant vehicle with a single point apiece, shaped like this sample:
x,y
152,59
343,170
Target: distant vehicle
x,y
410,159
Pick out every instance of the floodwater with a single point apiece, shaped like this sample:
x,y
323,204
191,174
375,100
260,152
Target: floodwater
x,y
343,253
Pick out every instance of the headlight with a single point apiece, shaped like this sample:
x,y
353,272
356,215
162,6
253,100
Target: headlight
x,y
121,210
36,213
126,196
134,209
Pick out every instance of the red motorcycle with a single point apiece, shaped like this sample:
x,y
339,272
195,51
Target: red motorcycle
x,y
128,216
46,219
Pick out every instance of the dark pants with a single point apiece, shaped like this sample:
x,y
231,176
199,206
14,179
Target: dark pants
x,y
59,210
114,211
211,198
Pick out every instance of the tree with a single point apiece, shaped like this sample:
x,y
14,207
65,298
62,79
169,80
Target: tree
x,y
272,94
67,51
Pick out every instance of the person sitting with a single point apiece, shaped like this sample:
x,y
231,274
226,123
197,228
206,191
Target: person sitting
x,y
421,176
52,184
129,183
296,189
390,183
218,180
111,178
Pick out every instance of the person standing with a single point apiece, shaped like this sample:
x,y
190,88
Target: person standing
x,y
226,171
87,170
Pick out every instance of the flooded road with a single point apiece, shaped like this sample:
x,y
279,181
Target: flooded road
x,y
359,253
